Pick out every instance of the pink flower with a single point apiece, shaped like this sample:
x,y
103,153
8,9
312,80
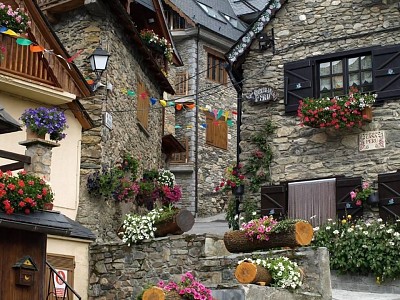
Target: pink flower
x,y
353,195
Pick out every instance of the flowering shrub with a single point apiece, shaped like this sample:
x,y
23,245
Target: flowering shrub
x,y
44,120
338,112
152,39
284,272
166,178
361,247
188,288
233,178
16,20
360,196
259,228
23,192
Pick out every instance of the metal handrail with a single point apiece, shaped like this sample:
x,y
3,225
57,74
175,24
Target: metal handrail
x,y
51,291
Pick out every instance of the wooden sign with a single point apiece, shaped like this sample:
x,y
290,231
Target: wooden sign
x,y
372,140
262,95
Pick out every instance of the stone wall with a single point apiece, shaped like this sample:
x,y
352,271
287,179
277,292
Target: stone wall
x,y
305,29
212,161
101,146
121,272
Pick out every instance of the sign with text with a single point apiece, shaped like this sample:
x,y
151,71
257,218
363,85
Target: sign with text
x,y
262,95
59,284
372,140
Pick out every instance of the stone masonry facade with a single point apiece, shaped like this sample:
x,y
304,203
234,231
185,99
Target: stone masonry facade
x,y
101,146
306,29
212,161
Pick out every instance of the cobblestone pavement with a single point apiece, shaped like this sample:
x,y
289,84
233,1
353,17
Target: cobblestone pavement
x,y
218,225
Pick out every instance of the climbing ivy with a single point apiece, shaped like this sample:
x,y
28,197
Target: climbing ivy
x,y
257,167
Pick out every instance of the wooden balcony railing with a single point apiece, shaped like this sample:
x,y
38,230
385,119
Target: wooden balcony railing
x,y
19,60
58,6
183,157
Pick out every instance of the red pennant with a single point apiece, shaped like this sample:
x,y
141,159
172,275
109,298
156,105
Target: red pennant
x,y
36,48
143,95
179,106
72,58
190,106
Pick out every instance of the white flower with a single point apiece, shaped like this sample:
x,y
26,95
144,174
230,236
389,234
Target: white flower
x,y
336,232
379,220
350,230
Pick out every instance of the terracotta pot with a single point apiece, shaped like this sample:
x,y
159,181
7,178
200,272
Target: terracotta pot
x,y
30,135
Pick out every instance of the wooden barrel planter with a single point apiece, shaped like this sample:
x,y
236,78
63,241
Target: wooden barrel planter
x,y
297,234
247,272
156,293
181,221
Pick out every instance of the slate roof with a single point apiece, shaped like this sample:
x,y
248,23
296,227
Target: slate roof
x,y
244,7
192,10
49,222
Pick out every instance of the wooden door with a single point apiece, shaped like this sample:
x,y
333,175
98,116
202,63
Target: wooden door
x,y
389,196
274,201
344,204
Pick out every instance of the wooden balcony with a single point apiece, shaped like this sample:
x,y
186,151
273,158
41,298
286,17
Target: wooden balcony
x,y
19,60
59,6
182,157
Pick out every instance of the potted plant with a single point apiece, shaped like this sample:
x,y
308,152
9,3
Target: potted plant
x,y
16,20
43,120
338,112
158,44
234,180
23,192
359,196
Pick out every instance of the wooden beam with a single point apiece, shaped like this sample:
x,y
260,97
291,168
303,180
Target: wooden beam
x,y
12,167
15,156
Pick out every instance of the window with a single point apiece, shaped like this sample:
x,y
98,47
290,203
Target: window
x,y
175,21
374,69
215,68
65,265
216,132
143,105
211,12
181,83
337,76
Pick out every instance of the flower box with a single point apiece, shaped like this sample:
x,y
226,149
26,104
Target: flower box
x,y
367,114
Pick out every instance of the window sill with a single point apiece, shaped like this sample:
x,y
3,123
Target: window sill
x,y
143,129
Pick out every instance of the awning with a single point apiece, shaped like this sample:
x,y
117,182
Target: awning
x,y
171,145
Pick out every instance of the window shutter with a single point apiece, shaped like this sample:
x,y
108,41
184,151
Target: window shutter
x,y
298,83
274,201
209,130
386,70
344,204
60,262
389,196
221,134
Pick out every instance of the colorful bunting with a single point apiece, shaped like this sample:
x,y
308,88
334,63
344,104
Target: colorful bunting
x,y
153,100
179,106
131,93
23,42
163,103
219,115
73,57
229,123
190,106
143,95
36,48
178,126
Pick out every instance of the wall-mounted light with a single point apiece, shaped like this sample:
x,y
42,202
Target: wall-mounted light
x,y
98,62
266,41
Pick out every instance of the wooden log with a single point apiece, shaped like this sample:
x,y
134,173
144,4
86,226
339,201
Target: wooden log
x,y
296,234
156,293
180,222
247,272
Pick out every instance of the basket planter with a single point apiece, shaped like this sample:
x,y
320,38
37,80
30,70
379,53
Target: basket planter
x,y
298,234
31,135
367,114
182,221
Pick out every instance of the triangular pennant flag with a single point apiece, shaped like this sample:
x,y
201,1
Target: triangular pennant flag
x,y
72,58
215,111
190,106
189,126
36,48
23,42
229,123
11,32
153,100
171,103
163,103
234,112
89,81
131,93
143,95
220,112
203,125
3,29
215,122
178,126
179,106
226,115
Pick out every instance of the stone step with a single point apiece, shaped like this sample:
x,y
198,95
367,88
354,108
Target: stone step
x,y
228,294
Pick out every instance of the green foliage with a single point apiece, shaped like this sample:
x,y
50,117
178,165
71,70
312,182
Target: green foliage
x,y
231,217
257,167
360,247
285,224
130,164
249,212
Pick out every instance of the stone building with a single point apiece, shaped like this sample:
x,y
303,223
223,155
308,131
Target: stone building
x,y
301,49
203,31
135,75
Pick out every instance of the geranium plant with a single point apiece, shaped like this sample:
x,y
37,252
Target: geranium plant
x,y
23,192
259,229
188,288
43,120
233,178
16,20
284,272
337,112
152,39
359,196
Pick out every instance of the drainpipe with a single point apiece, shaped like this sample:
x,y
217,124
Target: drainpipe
x,y
196,129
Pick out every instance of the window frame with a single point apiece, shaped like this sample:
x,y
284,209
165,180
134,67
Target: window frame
x,y
215,74
181,83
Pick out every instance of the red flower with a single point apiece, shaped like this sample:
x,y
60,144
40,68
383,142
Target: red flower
x,y
20,191
27,211
21,183
11,186
21,204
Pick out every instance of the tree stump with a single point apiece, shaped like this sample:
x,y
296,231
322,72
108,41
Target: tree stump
x,y
297,234
156,293
247,272
180,222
